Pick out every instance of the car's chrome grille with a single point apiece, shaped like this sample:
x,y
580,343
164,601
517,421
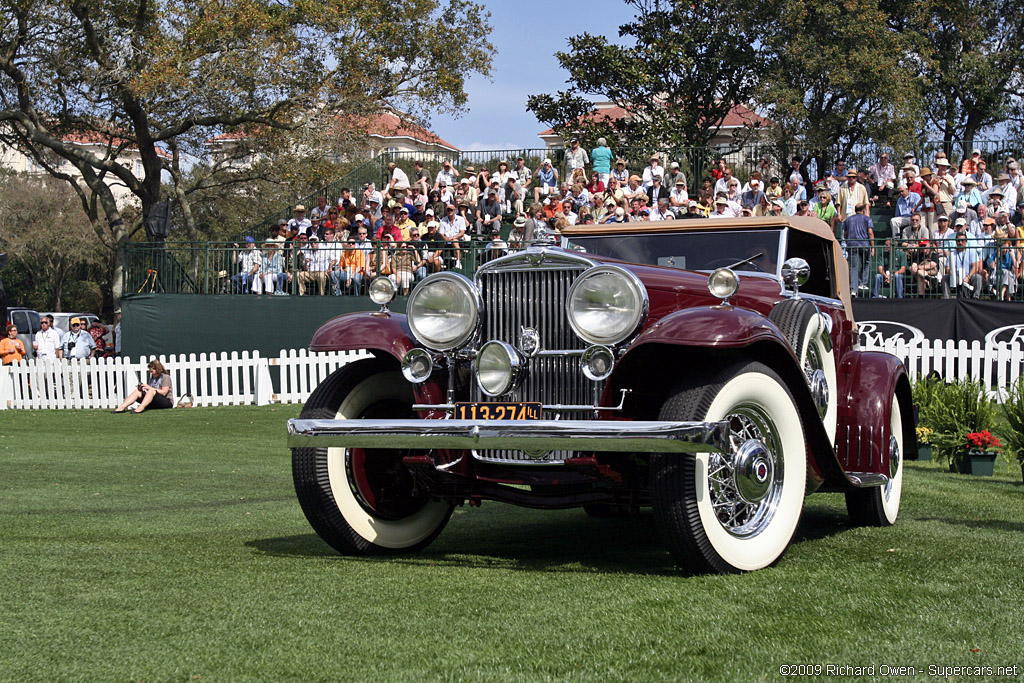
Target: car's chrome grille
x,y
534,297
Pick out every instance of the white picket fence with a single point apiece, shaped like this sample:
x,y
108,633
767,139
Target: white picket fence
x,y
246,378
236,378
996,365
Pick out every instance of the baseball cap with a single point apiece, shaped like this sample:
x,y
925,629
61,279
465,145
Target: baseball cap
x,y
249,238
944,218
430,212
359,218
77,321
675,164
960,221
314,238
547,161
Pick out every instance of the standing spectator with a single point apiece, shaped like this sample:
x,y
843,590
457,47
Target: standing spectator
x,y
982,177
945,188
928,199
157,393
47,340
12,350
511,196
317,265
446,175
652,171
964,270
299,220
77,342
826,211
799,172
907,204
860,235
575,157
248,262
333,251
117,332
851,195
892,266
722,184
1009,262
908,160
882,175
601,156
547,181
318,214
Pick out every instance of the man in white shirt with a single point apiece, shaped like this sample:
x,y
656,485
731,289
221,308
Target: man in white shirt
x,y
654,169
399,180
77,343
299,219
447,174
318,264
453,229
47,340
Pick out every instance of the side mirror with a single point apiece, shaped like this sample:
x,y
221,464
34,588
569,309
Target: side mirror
x,y
795,273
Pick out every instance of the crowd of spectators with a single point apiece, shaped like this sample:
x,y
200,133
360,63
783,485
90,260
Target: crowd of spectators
x,y
953,229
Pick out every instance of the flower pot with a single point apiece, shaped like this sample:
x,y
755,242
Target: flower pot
x,y
924,451
979,463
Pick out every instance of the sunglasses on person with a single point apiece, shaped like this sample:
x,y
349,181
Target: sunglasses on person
x,y
76,324
44,322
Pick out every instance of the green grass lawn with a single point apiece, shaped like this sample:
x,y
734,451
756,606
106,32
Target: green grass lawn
x,y
170,547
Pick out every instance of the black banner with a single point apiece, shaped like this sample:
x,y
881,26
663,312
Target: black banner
x,y
920,319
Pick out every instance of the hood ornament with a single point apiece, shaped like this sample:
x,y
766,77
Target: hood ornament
x,y
529,341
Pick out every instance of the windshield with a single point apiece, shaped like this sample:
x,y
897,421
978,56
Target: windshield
x,y
743,250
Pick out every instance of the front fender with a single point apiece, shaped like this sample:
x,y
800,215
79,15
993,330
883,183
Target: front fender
x,y
377,333
383,335
717,326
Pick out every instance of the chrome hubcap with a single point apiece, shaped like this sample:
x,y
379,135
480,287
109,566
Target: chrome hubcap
x,y
745,485
753,470
894,462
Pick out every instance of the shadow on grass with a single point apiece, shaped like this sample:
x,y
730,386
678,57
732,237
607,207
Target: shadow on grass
x,y
991,524
558,542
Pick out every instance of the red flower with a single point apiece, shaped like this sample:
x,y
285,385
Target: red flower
x,y
983,440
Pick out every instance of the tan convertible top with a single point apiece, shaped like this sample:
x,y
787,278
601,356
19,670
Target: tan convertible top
x,y
808,224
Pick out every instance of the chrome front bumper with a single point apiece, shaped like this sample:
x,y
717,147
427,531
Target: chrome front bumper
x,y
528,435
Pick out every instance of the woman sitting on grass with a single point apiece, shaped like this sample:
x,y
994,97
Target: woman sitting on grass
x,y
157,394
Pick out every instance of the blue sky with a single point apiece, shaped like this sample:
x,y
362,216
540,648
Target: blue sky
x,y
525,35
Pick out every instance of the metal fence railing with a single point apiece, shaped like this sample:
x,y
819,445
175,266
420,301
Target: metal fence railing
x,y
934,269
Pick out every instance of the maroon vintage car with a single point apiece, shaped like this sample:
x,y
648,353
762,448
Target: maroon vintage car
x,y
708,369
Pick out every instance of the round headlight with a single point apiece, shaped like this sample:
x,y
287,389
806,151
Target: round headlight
x,y
442,311
382,291
723,283
597,362
606,304
417,365
497,367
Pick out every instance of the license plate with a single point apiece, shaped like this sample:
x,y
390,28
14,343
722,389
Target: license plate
x,y
497,411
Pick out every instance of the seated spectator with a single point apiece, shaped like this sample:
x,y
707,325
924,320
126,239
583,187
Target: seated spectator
x,y
595,185
511,196
892,266
722,209
351,269
496,247
488,212
157,393
404,261
317,265
378,261
882,176
751,199
273,278
985,244
435,248
248,261
1009,264
907,204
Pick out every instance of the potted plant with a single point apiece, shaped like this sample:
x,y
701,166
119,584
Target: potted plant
x,y
924,446
979,456
956,409
1013,411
